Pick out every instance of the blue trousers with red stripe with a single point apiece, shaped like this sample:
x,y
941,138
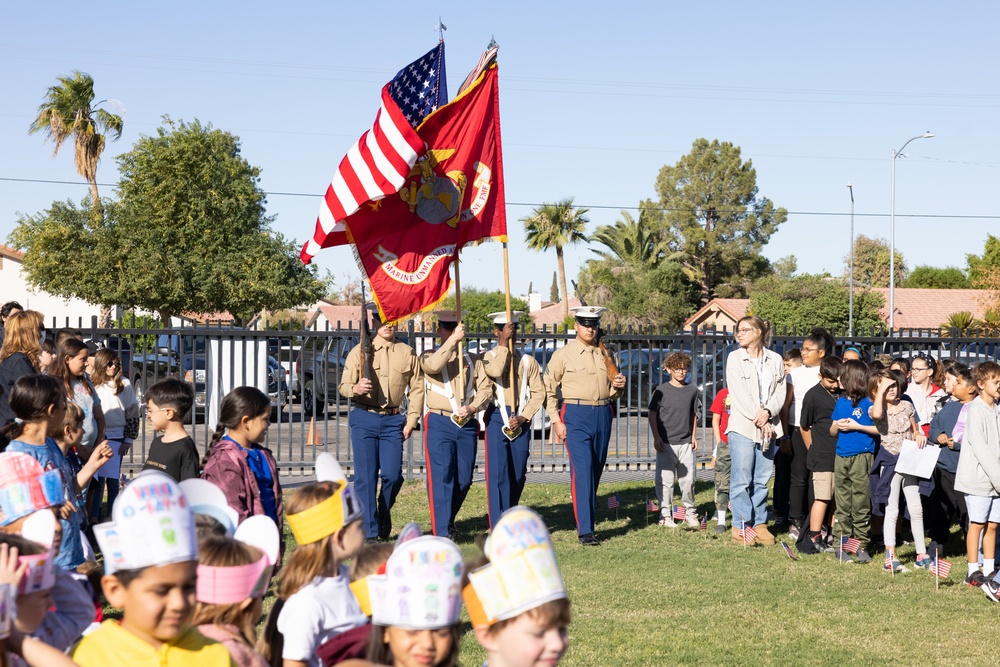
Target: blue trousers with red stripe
x,y
450,453
588,430
377,441
506,466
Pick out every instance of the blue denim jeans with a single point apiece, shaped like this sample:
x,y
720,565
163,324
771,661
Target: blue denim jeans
x,y
751,471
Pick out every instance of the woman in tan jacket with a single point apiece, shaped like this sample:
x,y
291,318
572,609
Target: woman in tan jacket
x,y
755,377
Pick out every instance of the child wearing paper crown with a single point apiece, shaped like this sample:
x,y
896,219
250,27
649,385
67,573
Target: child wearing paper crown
x,y
416,605
233,574
517,602
30,499
151,574
315,602
39,403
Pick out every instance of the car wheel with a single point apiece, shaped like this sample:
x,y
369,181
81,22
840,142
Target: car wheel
x,y
310,406
139,387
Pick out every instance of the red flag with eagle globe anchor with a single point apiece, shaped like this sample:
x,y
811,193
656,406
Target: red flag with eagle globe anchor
x,y
453,195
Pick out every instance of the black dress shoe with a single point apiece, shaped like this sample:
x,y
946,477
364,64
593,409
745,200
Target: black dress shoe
x,y
589,540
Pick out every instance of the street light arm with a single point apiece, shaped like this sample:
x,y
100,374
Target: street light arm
x,y
925,135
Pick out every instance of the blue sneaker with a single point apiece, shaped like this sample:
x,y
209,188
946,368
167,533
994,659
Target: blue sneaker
x,y
923,563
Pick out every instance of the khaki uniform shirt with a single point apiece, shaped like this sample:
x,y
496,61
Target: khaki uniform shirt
x,y
433,363
581,373
396,369
497,367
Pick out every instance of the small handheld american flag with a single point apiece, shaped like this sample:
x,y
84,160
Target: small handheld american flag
x,y
941,567
850,544
888,560
651,506
679,513
704,522
122,481
749,534
614,502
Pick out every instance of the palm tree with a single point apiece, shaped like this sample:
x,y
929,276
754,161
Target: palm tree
x,y
554,226
629,243
68,111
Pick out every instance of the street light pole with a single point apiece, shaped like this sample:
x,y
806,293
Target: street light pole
x,y
892,231
850,314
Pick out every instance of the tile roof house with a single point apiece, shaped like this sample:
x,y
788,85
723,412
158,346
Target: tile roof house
x,y
551,314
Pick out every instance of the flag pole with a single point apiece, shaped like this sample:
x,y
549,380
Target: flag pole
x,y
510,343
458,314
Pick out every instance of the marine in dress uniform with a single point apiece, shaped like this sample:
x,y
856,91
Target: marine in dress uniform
x,y
378,427
507,457
449,448
584,423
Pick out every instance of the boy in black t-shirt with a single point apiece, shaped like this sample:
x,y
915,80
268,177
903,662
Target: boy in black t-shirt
x,y
814,425
172,450
672,420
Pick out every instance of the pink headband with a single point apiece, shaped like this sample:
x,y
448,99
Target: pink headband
x,y
229,585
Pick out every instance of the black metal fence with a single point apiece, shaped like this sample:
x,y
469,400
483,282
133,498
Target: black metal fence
x,y
302,370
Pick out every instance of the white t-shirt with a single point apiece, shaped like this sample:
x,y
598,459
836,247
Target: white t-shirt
x,y
320,610
802,379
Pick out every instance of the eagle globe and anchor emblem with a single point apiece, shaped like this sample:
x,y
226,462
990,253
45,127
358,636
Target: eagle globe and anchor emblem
x,y
437,199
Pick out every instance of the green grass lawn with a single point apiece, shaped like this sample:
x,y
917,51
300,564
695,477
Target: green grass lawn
x,y
656,596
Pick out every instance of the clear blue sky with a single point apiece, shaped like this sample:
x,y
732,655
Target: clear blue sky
x,y
595,99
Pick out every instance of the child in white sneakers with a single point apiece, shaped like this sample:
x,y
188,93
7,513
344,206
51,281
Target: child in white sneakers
x,y
673,422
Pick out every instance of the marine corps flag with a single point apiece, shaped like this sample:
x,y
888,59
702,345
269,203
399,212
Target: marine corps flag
x,y
453,196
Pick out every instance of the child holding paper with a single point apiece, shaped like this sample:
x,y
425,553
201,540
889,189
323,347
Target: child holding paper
x,y
978,474
898,422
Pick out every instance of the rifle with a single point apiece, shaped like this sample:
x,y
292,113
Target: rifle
x,y
609,361
367,346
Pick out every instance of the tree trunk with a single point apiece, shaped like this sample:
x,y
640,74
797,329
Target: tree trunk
x,y
104,317
562,281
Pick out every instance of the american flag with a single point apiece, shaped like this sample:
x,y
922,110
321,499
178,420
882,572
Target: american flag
x,y
888,560
850,544
378,163
749,534
704,522
679,513
651,506
614,502
940,567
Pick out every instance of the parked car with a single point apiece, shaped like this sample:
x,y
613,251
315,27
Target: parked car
x,y
318,367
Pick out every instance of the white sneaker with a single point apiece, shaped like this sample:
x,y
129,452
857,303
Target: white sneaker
x,y
691,519
667,522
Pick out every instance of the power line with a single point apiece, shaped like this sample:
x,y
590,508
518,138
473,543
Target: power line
x,y
311,195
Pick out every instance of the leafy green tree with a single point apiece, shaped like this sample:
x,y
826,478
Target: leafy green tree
x,y
69,111
554,290
871,263
934,277
556,226
189,234
710,212
813,300
657,296
480,302
979,265
629,243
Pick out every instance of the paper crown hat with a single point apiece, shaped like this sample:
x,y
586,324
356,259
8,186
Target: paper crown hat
x,y
230,585
522,573
206,498
26,488
329,516
501,317
39,528
359,587
152,524
588,312
421,587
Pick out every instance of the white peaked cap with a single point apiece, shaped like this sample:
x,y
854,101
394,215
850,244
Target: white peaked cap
x,y
422,585
449,315
206,498
501,317
152,524
588,312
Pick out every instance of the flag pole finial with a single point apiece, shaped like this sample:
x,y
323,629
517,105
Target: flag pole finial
x,y
441,27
